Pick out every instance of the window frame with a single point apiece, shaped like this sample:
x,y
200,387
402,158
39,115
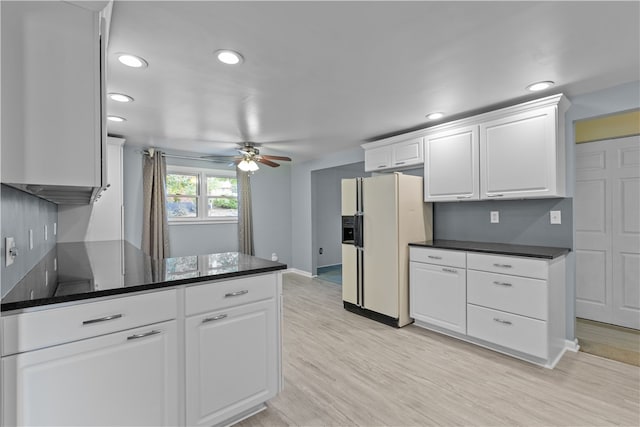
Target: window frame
x,y
201,195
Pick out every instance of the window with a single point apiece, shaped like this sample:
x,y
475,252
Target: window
x,y
201,195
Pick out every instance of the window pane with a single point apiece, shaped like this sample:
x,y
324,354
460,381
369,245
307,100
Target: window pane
x,y
222,186
182,184
222,207
182,207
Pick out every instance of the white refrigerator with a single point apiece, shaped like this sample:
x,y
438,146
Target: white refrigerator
x,y
381,215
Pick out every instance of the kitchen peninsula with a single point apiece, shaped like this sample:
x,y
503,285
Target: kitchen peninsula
x,y
100,333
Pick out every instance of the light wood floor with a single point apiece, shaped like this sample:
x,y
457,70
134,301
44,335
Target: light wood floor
x,y
341,369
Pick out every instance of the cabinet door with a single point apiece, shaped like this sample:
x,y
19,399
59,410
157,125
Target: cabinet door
x,y
51,73
407,153
377,158
519,156
451,165
438,296
231,362
126,378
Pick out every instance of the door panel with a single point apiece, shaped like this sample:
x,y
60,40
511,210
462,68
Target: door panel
x,y
607,206
380,200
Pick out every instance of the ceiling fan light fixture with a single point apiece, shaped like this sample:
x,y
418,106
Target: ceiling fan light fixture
x,y
538,86
229,57
253,166
248,165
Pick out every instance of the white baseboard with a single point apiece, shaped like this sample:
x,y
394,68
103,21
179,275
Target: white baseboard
x,y
572,345
300,272
330,265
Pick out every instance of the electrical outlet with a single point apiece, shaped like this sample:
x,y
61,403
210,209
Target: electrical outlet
x,y
10,251
555,217
321,250
30,239
495,217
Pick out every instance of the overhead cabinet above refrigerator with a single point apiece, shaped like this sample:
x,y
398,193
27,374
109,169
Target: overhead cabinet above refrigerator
x,y
381,215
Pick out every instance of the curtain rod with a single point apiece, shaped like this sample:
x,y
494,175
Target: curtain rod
x,y
150,154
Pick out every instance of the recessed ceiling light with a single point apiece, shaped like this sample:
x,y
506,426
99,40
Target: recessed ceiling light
x,y
229,57
535,87
132,60
116,119
435,116
120,97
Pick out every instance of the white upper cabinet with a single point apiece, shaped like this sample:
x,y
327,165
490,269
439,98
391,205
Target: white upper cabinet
x,y
53,127
451,165
520,156
393,155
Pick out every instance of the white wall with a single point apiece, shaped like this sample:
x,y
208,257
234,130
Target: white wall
x,y
326,211
271,198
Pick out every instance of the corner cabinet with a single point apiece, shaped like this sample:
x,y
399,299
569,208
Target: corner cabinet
x,y
53,100
386,155
516,152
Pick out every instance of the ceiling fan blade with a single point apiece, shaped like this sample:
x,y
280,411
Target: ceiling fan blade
x,y
267,162
268,157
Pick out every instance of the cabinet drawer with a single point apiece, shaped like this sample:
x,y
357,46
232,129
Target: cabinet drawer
x,y
38,329
438,256
517,266
215,295
518,295
508,330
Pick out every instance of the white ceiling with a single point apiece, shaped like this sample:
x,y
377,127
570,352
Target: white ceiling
x,y
322,76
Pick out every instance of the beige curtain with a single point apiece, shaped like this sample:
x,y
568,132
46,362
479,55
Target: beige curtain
x,y
245,217
155,229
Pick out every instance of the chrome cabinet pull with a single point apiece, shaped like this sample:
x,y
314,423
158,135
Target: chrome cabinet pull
x,y
502,283
146,334
434,257
214,318
102,319
382,166
400,163
235,294
464,197
495,195
449,270
502,265
504,322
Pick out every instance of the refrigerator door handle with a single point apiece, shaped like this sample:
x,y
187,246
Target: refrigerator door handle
x,y
357,230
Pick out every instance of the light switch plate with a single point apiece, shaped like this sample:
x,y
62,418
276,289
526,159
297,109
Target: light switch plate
x,y
555,217
495,217
8,244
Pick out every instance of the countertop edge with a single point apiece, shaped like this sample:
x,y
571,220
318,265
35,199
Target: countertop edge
x,y
509,249
5,308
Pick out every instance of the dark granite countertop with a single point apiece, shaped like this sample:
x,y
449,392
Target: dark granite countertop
x,y
546,252
84,270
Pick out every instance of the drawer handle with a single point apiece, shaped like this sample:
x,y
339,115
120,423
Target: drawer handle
x,y
146,334
463,197
504,322
214,318
449,270
502,265
236,293
502,283
434,257
382,166
102,319
399,163
495,195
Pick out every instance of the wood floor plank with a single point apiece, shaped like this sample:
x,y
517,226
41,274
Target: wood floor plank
x,y
342,369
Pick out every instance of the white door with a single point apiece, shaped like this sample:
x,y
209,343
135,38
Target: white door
x,y
607,212
407,153
126,378
451,165
377,158
231,361
438,296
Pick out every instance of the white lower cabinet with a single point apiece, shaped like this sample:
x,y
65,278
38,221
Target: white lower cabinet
x,y
512,304
231,361
438,295
124,378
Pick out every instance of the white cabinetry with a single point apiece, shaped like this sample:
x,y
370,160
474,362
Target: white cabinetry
x,y
438,288
232,361
393,155
451,165
514,305
520,156
115,377
53,125
517,152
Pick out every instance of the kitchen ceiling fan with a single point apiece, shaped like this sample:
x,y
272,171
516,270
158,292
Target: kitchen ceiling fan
x,y
248,158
